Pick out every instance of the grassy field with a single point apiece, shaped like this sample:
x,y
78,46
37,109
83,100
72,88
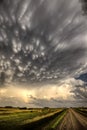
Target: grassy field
x,y
15,118
82,110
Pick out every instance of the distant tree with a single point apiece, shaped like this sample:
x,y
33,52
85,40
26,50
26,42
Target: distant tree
x,y
8,107
46,107
23,108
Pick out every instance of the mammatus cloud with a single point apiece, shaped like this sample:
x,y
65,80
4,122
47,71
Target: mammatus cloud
x,y
35,48
42,42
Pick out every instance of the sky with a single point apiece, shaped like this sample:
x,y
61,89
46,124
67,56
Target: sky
x,y
43,53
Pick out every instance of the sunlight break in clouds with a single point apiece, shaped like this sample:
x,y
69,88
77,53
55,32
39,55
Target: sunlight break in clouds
x,y
31,94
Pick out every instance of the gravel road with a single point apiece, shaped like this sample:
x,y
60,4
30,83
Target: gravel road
x,y
73,121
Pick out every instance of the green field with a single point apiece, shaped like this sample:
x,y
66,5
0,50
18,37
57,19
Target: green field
x,y
22,119
82,110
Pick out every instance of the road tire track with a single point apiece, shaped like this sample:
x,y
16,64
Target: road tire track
x,y
73,121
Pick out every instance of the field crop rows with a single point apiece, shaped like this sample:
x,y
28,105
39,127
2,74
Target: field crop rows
x,y
12,118
83,111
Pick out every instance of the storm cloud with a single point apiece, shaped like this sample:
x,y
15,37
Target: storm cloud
x,y
42,42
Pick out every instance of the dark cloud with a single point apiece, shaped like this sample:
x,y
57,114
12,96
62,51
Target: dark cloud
x,y
80,94
84,6
44,42
83,77
37,49
1,1
2,77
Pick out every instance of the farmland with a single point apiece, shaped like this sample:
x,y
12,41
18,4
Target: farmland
x,y
43,119
14,118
